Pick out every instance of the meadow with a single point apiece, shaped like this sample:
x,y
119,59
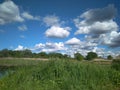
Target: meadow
x,y
59,74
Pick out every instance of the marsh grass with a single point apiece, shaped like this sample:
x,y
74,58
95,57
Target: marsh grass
x,y
60,75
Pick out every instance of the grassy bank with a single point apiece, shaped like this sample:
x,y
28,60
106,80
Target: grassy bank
x,y
18,61
61,75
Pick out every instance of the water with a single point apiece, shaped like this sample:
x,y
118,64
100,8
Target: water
x,y
6,70
2,73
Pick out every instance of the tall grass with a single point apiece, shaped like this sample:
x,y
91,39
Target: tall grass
x,y
60,75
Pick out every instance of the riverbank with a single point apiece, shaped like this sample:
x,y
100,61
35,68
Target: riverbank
x,y
9,62
60,75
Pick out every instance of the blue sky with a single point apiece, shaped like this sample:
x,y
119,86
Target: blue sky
x,y
66,26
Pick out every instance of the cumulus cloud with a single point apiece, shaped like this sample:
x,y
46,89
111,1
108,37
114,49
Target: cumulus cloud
x,y
100,14
83,47
9,12
112,39
73,41
51,20
97,21
97,27
55,29
20,47
22,28
39,46
50,47
28,16
57,32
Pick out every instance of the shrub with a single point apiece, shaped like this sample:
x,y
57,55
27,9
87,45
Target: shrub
x,y
109,57
91,56
116,64
115,77
78,56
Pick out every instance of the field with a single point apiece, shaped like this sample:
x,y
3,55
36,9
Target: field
x,y
58,75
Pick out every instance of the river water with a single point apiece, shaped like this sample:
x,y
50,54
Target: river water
x,y
4,71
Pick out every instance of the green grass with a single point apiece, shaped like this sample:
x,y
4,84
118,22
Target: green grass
x,y
60,75
17,62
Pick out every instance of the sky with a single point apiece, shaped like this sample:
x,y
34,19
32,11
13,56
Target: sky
x,y
63,26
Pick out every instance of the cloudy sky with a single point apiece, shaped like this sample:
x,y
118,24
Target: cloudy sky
x,y
65,26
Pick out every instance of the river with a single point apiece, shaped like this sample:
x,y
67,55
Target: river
x,y
5,70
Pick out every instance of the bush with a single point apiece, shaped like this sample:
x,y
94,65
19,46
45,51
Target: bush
x,y
78,56
116,64
91,56
115,77
109,57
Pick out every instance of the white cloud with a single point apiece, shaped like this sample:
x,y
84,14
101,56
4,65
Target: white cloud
x,y
28,16
51,20
99,14
57,32
111,39
20,47
9,12
40,45
97,21
49,47
22,28
55,29
83,47
73,41
97,27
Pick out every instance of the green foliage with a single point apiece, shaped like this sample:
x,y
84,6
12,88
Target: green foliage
x,y
60,75
115,77
28,54
109,57
115,74
78,56
116,64
91,56
42,54
55,55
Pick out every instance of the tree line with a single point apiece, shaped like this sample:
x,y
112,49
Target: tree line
x,y
28,54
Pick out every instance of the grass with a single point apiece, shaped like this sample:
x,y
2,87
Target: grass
x,y
61,75
18,62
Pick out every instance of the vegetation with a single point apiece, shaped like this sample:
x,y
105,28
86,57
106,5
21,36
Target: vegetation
x,y
109,57
78,56
61,75
116,64
28,54
115,75
91,56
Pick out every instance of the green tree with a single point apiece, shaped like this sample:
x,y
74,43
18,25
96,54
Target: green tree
x,y
78,56
109,57
5,53
91,56
26,53
43,55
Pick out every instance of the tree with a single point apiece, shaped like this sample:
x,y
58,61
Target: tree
x,y
78,56
43,55
4,53
26,53
91,56
109,57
